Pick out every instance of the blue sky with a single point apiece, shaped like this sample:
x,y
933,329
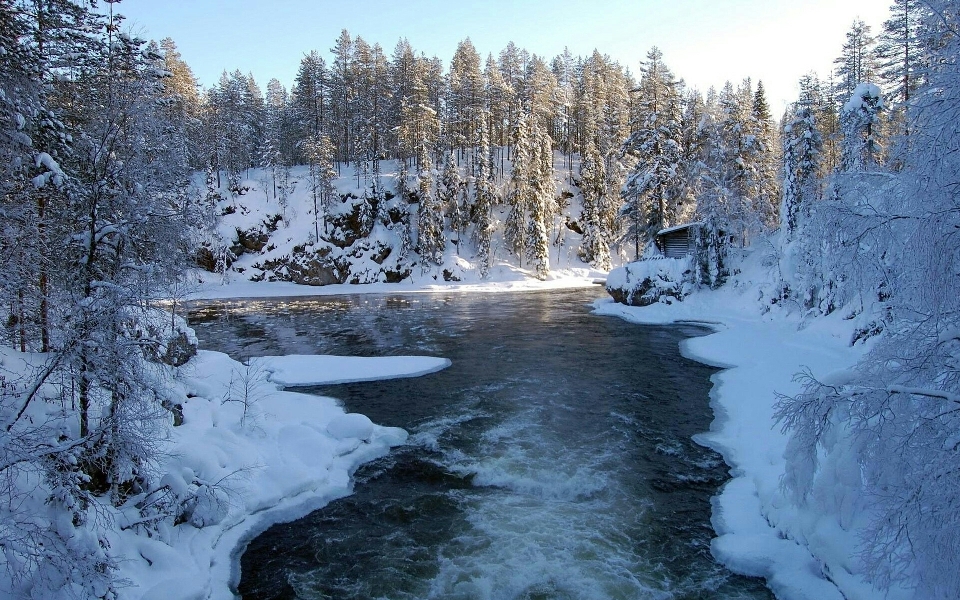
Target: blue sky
x,y
706,42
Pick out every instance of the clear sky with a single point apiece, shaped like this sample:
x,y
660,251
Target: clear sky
x,y
705,42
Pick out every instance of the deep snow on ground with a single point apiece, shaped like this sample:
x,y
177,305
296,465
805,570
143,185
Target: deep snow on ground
x,y
277,455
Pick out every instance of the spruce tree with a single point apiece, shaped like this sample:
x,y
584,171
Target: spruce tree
x,y
653,188
767,202
430,240
450,192
802,146
483,201
594,247
541,203
860,120
520,197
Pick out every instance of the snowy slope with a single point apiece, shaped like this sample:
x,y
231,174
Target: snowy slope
x,y
275,239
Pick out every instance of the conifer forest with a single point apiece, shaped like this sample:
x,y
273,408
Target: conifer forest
x,y
118,172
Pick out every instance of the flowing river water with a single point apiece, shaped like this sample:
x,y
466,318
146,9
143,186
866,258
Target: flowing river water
x,y
553,460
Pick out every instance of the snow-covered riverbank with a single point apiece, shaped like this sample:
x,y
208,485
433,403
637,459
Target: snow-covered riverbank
x,y
508,279
802,551
266,455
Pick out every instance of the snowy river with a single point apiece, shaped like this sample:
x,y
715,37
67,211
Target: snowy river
x,y
554,459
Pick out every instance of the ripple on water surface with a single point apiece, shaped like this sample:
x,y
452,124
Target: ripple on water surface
x,y
554,459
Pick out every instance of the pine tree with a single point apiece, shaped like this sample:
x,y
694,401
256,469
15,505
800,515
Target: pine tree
x,y
341,92
271,148
500,99
563,130
400,74
419,119
802,146
181,90
465,100
310,98
857,62
902,56
513,65
235,119
319,153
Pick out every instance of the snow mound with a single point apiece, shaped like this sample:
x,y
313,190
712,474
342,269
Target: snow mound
x,y
351,425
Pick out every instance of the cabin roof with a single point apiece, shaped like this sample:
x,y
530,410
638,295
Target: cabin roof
x,y
678,228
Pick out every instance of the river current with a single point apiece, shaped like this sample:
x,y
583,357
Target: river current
x,y
554,459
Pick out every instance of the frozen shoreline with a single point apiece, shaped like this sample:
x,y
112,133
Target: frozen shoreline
x,y
299,465
802,554
243,290
280,457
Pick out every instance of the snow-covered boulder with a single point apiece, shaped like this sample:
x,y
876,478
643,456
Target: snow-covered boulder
x,y
351,425
645,282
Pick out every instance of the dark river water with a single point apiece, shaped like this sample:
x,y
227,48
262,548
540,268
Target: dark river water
x,y
553,460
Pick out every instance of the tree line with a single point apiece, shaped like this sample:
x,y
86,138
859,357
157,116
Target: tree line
x,y
100,133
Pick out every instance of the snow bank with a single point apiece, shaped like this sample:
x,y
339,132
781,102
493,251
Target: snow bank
x,y
259,455
304,370
803,552
504,278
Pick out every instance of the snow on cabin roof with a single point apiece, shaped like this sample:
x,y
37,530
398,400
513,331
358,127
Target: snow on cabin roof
x,y
678,228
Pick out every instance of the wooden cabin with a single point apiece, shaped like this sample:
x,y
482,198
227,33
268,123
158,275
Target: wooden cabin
x,y
678,241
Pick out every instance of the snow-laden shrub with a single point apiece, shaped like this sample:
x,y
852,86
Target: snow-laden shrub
x,y
645,282
178,497
209,507
164,337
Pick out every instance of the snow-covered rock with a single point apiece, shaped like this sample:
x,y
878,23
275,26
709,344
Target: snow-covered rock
x,y
645,282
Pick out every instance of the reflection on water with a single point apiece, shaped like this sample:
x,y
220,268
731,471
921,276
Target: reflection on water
x,y
553,459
